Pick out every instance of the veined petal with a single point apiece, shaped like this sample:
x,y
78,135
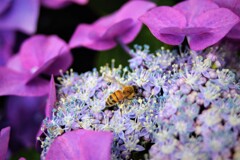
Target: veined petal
x,y
42,54
122,24
219,21
234,6
81,144
162,21
14,83
194,8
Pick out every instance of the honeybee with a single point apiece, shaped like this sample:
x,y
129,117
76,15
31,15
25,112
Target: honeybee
x,y
128,92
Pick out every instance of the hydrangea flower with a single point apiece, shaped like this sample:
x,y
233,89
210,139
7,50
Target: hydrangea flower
x,y
38,55
56,4
202,22
19,15
122,25
188,111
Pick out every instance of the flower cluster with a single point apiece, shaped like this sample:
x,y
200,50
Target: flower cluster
x,y
186,106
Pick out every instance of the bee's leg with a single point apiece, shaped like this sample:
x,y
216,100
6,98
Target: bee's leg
x,y
121,105
131,96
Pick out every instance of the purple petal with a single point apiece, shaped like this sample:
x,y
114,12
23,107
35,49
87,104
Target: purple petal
x,y
25,115
4,139
51,99
4,5
14,83
21,15
234,6
194,8
235,32
122,24
81,144
220,21
7,39
162,21
42,54
56,4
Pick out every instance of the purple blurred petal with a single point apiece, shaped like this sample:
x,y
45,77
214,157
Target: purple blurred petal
x,y
25,115
51,99
122,24
220,21
4,5
21,15
235,32
81,144
14,83
56,4
7,39
42,54
194,8
162,21
4,139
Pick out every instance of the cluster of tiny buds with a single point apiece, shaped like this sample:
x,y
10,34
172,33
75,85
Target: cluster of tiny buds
x,y
185,106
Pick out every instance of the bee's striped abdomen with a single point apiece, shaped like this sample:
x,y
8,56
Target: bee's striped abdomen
x,y
114,98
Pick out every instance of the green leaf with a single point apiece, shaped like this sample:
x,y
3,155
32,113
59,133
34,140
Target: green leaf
x,y
28,154
164,2
116,53
146,37
103,7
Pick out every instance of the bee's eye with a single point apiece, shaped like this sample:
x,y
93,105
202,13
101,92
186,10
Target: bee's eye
x,y
108,83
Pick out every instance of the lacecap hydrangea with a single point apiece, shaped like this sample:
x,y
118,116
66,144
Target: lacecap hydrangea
x,y
186,105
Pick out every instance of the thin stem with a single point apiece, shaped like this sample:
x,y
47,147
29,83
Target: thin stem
x,y
124,46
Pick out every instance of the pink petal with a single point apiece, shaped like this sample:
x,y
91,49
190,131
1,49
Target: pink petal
x,y
122,24
194,8
51,99
162,21
56,4
21,15
14,83
42,54
81,144
4,139
220,21
234,6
